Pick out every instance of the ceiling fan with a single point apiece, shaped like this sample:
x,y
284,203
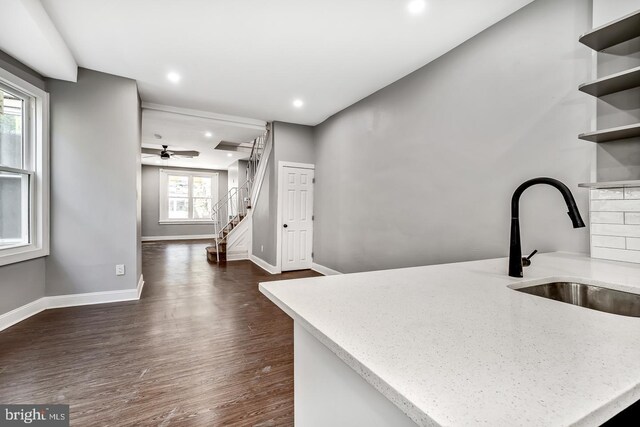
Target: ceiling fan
x,y
165,154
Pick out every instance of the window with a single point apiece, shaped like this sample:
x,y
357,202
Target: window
x,y
23,170
187,197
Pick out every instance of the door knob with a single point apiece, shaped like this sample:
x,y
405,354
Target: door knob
x,y
285,225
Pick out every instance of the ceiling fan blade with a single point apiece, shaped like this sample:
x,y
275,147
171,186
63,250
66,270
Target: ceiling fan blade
x,y
186,153
153,151
148,156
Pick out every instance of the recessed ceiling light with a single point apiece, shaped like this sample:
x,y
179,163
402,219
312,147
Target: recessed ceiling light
x,y
208,134
298,103
416,6
229,155
173,77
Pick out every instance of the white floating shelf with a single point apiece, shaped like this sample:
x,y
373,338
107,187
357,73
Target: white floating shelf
x,y
612,134
611,184
614,83
613,33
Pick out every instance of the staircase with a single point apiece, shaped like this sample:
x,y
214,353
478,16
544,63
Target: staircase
x,y
234,209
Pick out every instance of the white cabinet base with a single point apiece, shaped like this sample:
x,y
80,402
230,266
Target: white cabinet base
x,y
330,393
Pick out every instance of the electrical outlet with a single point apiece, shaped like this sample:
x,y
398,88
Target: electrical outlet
x,y
119,269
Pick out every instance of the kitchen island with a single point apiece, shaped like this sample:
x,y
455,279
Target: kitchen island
x,y
456,345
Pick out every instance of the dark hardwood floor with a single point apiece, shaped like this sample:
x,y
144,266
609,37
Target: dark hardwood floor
x,y
202,347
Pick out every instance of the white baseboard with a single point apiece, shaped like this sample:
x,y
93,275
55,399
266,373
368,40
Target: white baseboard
x,y
140,285
237,256
19,314
60,301
185,237
326,271
264,265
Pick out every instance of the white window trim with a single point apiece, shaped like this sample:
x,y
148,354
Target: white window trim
x,y
163,204
38,129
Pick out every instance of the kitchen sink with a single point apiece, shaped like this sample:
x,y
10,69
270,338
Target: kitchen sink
x,y
589,296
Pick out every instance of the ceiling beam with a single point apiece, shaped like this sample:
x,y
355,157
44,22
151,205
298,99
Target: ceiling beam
x,y
222,118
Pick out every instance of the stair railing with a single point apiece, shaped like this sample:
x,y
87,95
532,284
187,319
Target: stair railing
x,y
256,154
228,212
234,205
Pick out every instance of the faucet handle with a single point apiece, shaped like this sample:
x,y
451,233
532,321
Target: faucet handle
x,y
526,261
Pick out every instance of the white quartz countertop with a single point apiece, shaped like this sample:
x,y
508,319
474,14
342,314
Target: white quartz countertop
x,y
453,345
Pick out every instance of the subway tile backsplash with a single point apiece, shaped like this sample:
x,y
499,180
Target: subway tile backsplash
x,y
630,217
610,218
623,230
615,205
616,242
615,224
607,193
632,193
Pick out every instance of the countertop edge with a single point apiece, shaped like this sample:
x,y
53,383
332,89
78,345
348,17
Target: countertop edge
x,y
611,408
401,402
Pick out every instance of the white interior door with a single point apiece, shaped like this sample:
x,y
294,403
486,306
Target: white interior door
x,y
297,222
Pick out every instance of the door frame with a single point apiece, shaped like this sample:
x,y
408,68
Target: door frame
x,y
280,199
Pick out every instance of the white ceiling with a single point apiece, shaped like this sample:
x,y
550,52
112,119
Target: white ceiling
x,y
28,34
188,132
252,58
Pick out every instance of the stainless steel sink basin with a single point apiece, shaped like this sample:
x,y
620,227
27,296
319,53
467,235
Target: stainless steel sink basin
x,y
589,296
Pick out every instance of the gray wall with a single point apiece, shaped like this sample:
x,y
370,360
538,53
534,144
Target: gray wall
x,y
151,205
23,282
263,238
237,174
243,166
605,11
291,143
617,160
232,175
422,172
95,145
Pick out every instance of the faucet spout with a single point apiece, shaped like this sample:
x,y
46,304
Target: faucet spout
x,y
515,250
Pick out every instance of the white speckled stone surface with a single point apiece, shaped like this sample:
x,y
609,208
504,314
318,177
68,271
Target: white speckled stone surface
x,y
454,345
